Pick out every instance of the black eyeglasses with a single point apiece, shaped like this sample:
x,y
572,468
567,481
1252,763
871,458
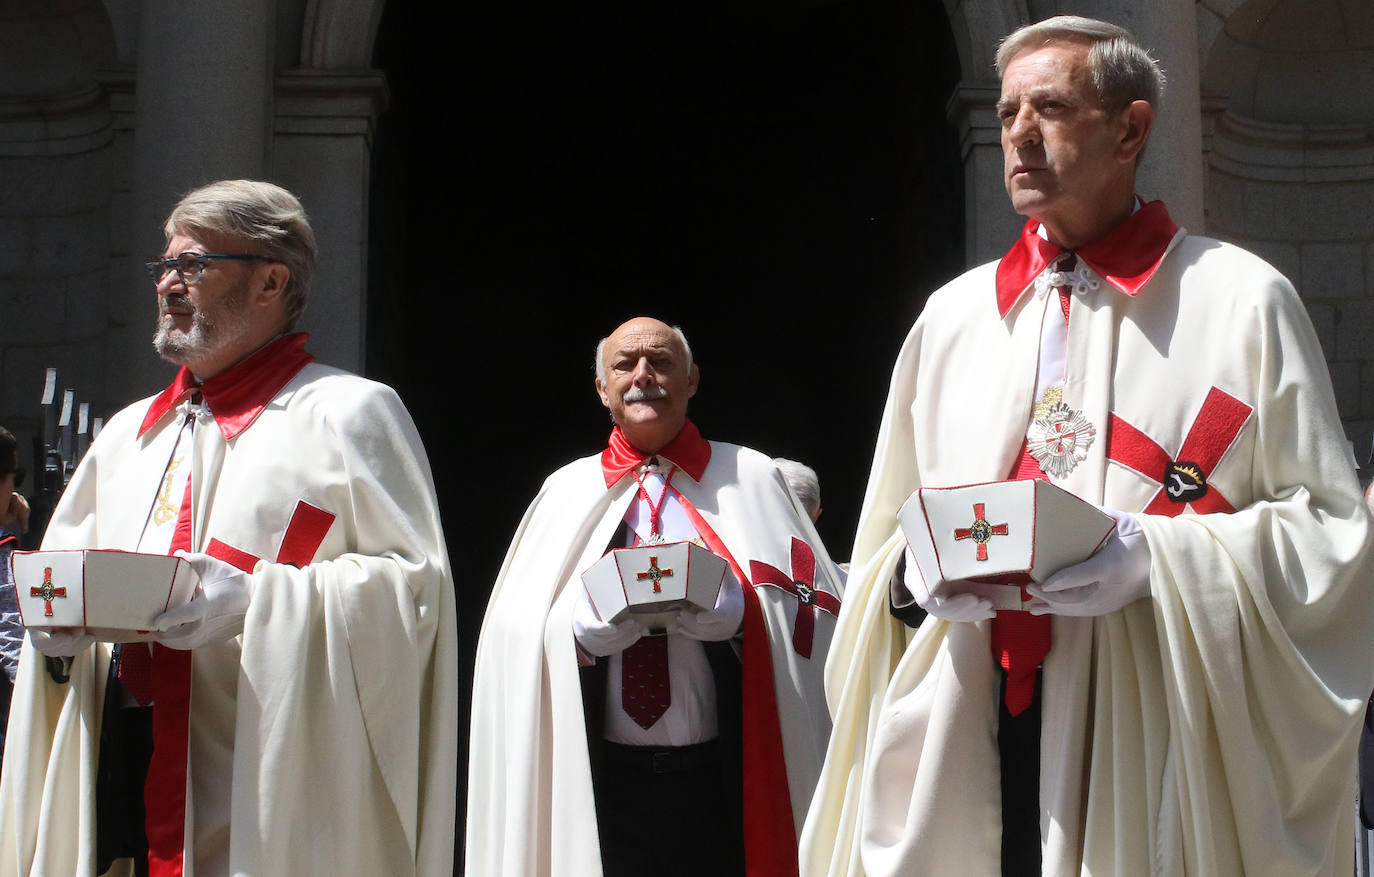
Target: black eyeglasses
x,y
191,266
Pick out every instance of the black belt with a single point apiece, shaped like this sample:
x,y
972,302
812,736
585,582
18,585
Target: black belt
x,y
655,759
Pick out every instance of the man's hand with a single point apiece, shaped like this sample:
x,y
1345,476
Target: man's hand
x,y
716,624
960,607
15,514
600,638
61,642
215,613
1115,576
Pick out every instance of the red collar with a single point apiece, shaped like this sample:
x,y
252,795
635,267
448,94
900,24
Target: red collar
x,y
1126,258
689,452
237,396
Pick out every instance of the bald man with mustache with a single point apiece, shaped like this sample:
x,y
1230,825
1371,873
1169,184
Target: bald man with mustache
x,y
606,748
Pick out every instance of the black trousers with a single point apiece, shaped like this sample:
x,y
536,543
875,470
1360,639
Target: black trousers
x,y
1018,748
6,693
126,748
660,812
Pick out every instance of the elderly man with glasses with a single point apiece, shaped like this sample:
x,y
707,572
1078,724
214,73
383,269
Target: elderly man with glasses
x,y
308,690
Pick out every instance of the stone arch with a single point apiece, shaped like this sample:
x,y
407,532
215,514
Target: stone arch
x,y
977,28
340,34
56,170
1309,63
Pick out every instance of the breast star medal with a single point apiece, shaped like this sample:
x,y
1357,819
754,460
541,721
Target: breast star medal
x,y
1059,436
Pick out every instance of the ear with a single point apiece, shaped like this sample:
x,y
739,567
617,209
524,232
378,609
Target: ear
x,y
271,283
693,379
1137,119
601,391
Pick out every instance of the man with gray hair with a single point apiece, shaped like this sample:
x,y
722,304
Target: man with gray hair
x,y
1187,700
308,689
805,485
682,725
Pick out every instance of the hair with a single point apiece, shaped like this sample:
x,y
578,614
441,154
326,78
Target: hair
x,y
802,481
1121,69
9,452
261,212
599,365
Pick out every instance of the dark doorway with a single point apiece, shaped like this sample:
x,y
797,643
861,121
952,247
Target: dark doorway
x,y
779,180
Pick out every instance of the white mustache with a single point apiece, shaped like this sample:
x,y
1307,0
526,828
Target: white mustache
x,y
640,394
178,300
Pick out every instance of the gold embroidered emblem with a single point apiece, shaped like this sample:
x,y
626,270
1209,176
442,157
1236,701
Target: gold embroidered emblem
x,y
164,511
1053,396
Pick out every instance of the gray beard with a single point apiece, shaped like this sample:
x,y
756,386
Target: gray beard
x,y
206,335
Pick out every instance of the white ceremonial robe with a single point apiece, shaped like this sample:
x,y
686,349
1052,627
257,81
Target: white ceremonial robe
x,y
1209,730
530,802
323,740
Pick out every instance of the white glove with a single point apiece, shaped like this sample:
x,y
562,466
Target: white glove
x,y
215,613
960,607
1115,576
601,638
720,623
61,642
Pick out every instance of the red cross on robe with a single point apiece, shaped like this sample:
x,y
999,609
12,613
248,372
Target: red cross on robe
x,y
802,585
1214,430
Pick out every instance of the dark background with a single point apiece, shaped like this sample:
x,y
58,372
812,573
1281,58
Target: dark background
x,y
782,183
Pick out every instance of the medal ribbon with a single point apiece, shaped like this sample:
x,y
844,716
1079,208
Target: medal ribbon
x,y
655,511
164,790
1020,641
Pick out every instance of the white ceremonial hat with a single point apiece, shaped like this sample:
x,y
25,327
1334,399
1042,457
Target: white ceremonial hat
x,y
653,583
990,539
114,594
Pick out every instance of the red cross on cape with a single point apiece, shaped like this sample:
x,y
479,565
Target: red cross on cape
x,y
304,535
1214,430
802,585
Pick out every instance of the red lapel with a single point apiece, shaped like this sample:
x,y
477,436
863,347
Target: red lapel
x,y
1126,258
688,451
237,396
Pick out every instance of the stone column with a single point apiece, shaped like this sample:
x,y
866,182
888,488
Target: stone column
x,y
203,106
325,119
990,223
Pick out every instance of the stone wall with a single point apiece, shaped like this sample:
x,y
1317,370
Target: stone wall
x,y
104,124
1289,158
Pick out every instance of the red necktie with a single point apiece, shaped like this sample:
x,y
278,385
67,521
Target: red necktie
x,y
1020,641
644,692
